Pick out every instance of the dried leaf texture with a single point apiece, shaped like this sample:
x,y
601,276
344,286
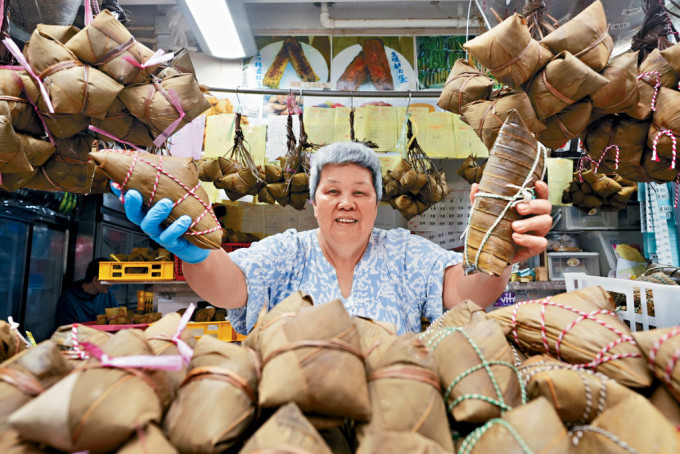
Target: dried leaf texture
x,y
157,177
515,162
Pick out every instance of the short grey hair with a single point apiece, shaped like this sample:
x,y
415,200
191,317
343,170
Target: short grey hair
x,y
345,153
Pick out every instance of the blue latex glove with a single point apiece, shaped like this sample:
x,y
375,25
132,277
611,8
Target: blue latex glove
x,y
150,223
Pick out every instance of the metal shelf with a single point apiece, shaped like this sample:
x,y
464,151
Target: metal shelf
x,y
537,285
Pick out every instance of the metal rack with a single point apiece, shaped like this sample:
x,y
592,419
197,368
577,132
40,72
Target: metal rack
x,y
328,93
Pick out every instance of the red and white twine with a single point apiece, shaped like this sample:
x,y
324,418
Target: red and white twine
x,y
77,349
656,87
669,133
601,357
189,192
596,164
674,358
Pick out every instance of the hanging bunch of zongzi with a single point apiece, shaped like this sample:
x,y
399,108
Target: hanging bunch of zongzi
x,y
470,170
236,173
288,182
464,85
415,184
591,191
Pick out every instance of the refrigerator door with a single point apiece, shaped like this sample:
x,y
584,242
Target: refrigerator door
x,y
13,248
48,249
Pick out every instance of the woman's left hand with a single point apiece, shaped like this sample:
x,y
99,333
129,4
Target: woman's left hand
x,y
529,233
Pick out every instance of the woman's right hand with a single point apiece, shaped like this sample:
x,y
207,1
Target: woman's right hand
x,y
150,222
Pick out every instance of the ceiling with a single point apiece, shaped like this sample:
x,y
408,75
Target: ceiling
x,y
281,16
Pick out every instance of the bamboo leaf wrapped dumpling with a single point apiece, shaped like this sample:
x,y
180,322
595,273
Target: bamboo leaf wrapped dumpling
x,y
177,181
515,164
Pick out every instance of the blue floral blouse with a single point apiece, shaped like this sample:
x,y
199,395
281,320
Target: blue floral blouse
x,y
398,279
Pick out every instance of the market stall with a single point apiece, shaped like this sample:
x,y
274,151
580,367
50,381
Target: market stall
x,y
419,234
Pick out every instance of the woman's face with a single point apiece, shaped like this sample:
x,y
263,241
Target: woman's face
x,y
345,205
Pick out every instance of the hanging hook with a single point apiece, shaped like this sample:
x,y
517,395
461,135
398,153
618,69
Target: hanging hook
x,y
300,104
409,101
351,100
238,100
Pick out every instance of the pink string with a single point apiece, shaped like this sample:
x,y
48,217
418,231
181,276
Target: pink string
x,y
677,191
156,59
89,17
656,87
111,136
14,50
170,129
36,110
292,105
163,362
185,351
669,133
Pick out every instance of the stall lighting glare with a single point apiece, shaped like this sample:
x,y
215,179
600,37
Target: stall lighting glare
x,y
221,27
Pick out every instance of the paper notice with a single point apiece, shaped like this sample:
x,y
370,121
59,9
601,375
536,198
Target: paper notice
x,y
380,126
467,141
441,136
219,135
256,138
276,135
342,124
320,125
560,174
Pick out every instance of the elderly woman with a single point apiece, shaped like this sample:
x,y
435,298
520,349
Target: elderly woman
x,y
386,275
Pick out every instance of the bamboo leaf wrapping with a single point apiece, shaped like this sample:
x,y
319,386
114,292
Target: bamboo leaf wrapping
x,y
509,52
160,177
585,36
515,163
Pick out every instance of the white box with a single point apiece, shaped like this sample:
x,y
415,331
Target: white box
x,y
636,314
572,262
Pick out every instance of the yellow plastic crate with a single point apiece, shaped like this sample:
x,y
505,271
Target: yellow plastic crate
x,y
136,271
221,330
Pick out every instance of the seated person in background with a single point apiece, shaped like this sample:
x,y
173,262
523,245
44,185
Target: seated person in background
x,y
85,299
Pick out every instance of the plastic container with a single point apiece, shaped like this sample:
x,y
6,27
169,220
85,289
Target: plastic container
x,y
574,219
229,247
221,330
136,271
562,242
643,305
572,262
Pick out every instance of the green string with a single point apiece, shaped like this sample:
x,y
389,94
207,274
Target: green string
x,y
442,334
472,439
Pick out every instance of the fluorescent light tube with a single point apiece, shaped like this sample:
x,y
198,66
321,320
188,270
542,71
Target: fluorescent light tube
x,y
221,27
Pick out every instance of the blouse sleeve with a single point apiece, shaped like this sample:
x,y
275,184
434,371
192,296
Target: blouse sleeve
x,y
268,266
425,265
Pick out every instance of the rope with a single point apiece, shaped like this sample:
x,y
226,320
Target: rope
x,y
600,357
472,439
579,430
189,192
674,148
656,86
442,334
512,201
674,357
530,371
